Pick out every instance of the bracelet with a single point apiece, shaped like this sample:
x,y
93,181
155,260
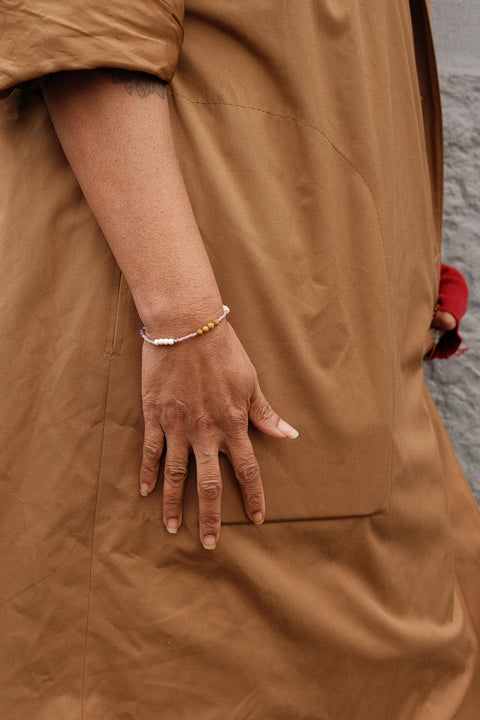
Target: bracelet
x,y
201,331
436,340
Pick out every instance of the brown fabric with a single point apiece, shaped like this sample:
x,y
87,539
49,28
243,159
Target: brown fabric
x,y
52,35
314,169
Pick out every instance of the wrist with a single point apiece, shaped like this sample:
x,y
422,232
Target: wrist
x,y
182,317
204,329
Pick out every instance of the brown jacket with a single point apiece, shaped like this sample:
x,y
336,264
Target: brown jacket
x,y
309,136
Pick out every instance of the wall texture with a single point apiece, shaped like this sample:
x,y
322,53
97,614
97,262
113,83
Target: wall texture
x,y
455,383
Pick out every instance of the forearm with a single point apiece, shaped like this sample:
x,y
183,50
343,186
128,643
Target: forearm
x,y
117,138
115,131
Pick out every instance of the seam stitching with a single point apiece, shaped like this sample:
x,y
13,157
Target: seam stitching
x,y
111,319
90,576
247,522
174,94
112,329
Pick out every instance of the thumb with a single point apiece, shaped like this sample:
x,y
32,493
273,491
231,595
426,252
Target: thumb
x,y
266,419
445,320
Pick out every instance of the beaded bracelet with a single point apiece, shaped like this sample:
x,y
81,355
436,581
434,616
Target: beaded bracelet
x,y
201,331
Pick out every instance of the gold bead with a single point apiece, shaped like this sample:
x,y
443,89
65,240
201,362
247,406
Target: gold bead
x,y
205,328
199,331
211,325
215,322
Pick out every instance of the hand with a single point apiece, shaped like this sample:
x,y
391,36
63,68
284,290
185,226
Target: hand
x,y
198,396
443,321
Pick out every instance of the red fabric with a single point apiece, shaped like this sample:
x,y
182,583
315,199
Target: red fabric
x,y
452,298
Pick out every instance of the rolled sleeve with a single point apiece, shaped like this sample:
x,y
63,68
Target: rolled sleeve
x,y
50,36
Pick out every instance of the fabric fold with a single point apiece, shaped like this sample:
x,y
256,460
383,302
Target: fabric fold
x,y
52,35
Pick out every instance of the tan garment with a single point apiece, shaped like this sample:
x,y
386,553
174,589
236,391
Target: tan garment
x,y
314,169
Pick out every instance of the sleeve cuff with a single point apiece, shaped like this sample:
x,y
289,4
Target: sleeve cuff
x,y
452,297
50,36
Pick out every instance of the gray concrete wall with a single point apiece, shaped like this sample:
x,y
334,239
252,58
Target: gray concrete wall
x,y
455,383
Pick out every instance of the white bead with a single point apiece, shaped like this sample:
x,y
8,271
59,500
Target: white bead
x,y
157,341
170,341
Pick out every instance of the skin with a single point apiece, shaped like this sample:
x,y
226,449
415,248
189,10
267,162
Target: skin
x,y
115,130
443,321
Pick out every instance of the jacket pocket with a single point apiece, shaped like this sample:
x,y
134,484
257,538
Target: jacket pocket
x,y
337,388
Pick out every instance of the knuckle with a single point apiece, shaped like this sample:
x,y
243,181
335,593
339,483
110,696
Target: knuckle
x,y
151,411
209,489
254,500
151,452
248,473
172,413
263,409
206,456
175,474
171,508
151,457
235,422
210,521
202,424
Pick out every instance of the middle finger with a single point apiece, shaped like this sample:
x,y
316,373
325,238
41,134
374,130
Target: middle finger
x,y
209,488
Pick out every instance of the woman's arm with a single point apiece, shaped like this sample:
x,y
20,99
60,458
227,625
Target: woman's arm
x,y
199,394
114,128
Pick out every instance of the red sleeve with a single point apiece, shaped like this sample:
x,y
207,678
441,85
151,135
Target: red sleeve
x,y
452,297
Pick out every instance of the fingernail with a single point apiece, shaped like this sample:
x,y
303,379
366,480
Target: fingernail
x,y
287,430
144,489
172,525
258,517
209,542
